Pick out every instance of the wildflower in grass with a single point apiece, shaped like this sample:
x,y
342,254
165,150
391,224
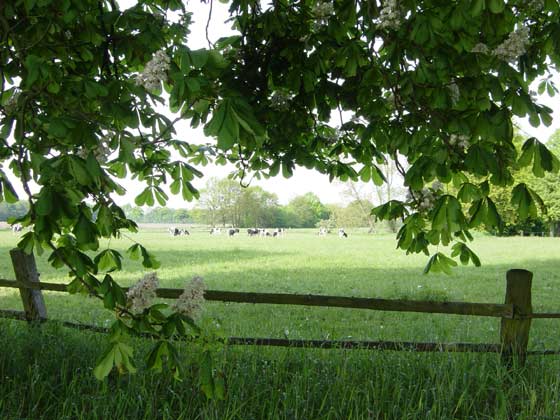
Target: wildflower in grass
x,y
191,301
155,71
390,16
141,295
514,46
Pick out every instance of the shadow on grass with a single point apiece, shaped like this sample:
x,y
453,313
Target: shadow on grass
x,y
49,371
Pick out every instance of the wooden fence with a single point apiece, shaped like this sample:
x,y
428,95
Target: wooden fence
x,y
515,314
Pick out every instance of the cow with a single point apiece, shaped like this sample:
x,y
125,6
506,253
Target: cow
x,y
178,232
16,228
215,231
232,231
278,232
252,231
323,231
342,233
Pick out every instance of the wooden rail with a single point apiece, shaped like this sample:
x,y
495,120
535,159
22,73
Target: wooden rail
x,y
515,314
455,308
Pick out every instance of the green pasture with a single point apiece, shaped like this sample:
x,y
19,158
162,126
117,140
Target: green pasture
x,y
53,365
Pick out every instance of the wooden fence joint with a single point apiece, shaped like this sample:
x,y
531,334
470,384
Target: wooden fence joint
x,y
25,270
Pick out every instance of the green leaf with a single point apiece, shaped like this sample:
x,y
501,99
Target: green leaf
x,y
199,57
86,232
522,199
440,263
105,364
224,125
496,6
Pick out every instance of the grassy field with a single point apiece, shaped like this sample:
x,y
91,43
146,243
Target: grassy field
x,y
49,371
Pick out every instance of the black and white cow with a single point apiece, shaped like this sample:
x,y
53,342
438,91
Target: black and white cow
x,y
323,231
342,233
252,232
232,231
175,231
216,231
16,228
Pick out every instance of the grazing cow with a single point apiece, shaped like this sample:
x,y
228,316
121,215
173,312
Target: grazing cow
x,y
232,231
278,232
342,233
175,231
16,228
216,231
252,231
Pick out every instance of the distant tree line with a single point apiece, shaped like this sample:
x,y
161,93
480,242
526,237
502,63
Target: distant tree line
x,y
157,215
224,202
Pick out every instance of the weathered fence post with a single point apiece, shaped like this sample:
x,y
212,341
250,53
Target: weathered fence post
x,y
515,332
26,272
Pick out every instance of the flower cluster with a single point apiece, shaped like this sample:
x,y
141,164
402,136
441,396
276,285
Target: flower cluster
x,y
321,11
514,46
536,5
426,198
191,300
460,141
454,92
331,137
280,100
390,16
11,103
480,48
101,151
142,293
155,71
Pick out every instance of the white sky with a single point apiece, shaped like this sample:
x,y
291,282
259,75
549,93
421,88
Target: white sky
x,y
303,180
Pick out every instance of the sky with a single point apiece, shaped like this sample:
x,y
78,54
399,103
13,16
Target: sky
x,y
303,180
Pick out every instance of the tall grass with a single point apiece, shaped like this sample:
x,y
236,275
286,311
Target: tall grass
x,y
47,372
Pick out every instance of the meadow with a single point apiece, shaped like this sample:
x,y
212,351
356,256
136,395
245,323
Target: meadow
x,y
46,372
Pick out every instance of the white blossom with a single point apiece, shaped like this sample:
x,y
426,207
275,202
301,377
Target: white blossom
x,y
101,151
536,5
191,301
437,186
143,293
390,16
461,141
480,48
68,34
280,100
514,46
155,71
11,103
333,136
322,11
427,199
454,92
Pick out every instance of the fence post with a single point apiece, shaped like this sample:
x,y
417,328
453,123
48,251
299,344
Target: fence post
x,y
515,332
25,270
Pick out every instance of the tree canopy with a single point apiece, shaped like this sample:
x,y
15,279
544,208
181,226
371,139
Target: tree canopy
x,y
337,86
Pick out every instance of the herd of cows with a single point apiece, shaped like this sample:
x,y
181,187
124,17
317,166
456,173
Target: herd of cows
x,y
175,231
